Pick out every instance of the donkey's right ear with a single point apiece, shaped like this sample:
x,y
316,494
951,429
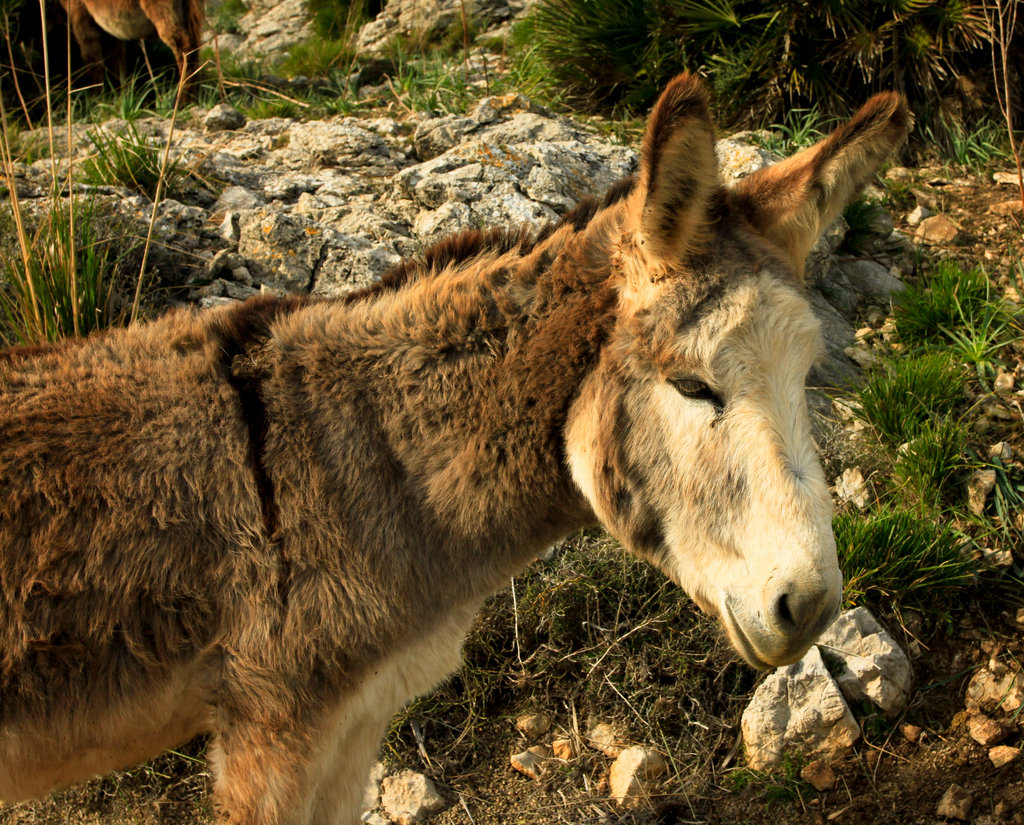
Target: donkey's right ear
x,y
678,170
792,202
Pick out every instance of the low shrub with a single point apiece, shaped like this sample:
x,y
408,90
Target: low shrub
x,y
764,59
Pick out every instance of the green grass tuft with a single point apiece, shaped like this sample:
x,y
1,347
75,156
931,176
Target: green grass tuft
x,y
925,312
975,147
73,279
930,461
902,558
900,398
128,158
860,216
798,129
318,57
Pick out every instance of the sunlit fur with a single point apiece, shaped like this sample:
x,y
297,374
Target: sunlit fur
x,y
274,522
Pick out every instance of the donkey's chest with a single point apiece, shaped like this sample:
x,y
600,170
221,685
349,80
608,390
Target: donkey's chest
x,y
416,667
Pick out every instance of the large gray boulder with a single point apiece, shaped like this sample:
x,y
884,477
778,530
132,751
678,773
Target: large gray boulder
x,y
480,183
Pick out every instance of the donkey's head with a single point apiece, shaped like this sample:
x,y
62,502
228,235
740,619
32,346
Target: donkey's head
x,y
691,440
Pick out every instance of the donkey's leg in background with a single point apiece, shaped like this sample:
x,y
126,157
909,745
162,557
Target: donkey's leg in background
x,y
169,19
261,772
363,715
89,36
297,772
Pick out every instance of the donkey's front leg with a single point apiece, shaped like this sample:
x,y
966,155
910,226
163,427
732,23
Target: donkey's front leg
x,y
300,773
344,770
262,773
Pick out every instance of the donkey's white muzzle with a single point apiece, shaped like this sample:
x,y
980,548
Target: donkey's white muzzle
x,y
789,621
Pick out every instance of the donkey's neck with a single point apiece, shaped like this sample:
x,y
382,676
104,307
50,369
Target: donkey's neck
x,y
456,387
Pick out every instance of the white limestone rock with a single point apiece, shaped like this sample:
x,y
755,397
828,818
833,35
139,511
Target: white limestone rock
x,y
632,774
866,662
410,797
798,708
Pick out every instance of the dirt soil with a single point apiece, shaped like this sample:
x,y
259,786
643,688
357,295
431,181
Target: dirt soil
x,y
896,774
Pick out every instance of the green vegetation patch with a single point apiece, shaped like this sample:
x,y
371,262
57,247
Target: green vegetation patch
x,y
925,312
901,397
128,158
765,58
902,558
71,273
928,464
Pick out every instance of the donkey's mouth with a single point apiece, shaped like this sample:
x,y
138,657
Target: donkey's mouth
x,y
781,650
740,641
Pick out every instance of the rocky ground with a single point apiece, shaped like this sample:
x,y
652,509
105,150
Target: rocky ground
x,y
284,205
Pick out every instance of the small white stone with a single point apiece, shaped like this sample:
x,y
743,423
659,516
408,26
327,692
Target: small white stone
x,y
980,485
531,761
632,772
995,688
851,487
605,738
1003,451
1003,755
532,725
955,803
918,214
410,797
1002,557
937,229
1003,382
984,730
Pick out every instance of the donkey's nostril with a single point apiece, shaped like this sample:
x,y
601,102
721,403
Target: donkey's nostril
x,y
782,612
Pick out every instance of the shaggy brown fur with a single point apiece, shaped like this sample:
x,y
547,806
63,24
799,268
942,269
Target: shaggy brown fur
x,y
274,522
178,23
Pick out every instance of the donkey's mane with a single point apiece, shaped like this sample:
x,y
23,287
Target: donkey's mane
x,y
248,324
468,245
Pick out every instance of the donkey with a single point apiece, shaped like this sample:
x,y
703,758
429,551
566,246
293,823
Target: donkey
x,y
178,23
274,523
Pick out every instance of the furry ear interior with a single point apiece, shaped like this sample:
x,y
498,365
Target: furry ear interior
x,y
792,202
678,170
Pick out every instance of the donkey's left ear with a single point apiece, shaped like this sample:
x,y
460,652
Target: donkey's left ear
x,y
678,170
794,201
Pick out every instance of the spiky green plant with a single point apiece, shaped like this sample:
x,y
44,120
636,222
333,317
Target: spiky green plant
x,y
896,556
128,158
901,396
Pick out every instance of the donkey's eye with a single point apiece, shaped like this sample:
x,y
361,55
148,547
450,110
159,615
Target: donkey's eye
x,y
696,389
